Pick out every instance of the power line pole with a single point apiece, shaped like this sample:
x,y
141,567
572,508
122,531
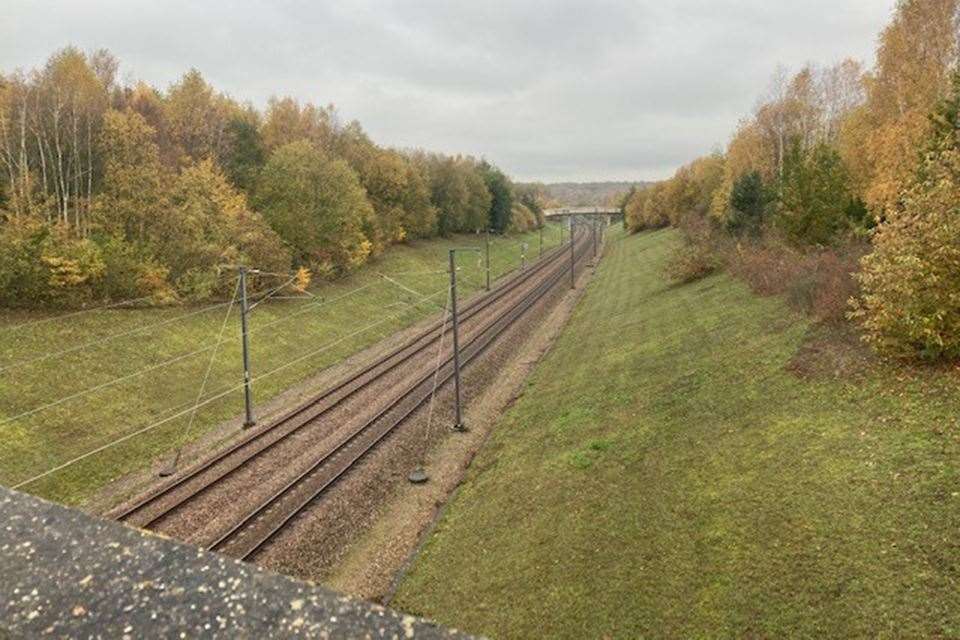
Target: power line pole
x,y
541,240
573,284
487,253
458,425
247,393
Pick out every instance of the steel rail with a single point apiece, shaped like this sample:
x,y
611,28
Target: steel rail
x,y
472,308
481,341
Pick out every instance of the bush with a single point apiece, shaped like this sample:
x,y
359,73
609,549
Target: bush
x,y
130,272
522,218
911,282
42,265
699,256
692,262
818,282
836,284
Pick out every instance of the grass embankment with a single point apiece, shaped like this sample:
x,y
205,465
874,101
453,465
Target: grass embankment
x,y
695,461
282,331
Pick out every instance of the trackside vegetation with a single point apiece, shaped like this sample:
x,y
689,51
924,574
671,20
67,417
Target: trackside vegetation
x,y
697,461
126,379
115,190
844,183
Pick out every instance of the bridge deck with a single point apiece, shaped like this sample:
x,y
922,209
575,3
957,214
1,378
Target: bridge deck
x,y
582,211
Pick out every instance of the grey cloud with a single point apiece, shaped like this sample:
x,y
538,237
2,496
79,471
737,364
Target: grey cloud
x,y
568,89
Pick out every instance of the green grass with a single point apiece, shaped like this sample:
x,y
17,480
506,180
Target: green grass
x,y
667,475
281,332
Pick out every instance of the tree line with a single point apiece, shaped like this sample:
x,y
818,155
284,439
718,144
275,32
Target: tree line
x,y
113,191
842,155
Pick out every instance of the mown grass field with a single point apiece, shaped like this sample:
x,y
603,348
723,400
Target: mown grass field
x,y
695,461
65,366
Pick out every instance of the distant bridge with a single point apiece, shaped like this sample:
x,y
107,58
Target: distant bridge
x,y
608,214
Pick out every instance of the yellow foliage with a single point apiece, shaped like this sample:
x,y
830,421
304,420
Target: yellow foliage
x,y
916,52
363,251
302,281
64,272
911,282
748,151
893,149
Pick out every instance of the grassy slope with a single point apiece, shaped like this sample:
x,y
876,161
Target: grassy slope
x,y
46,439
665,475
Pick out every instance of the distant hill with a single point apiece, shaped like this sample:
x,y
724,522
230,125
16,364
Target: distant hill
x,y
584,194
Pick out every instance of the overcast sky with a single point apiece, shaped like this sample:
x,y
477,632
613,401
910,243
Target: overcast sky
x,y
548,90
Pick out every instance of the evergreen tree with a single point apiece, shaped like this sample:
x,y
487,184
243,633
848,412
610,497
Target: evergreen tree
x,y
815,199
501,194
245,154
748,204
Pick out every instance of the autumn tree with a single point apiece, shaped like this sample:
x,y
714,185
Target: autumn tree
x,y
383,174
286,121
196,118
916,53
208,228
419,213
49,125
910,305
133,197
317,205
479,202
122,190
450,194
749,151
646,208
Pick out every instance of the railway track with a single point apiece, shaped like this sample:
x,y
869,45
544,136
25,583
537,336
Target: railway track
x,y
158,504
250,535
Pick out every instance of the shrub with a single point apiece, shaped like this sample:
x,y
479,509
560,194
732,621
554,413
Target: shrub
x,y
75,267
23,278
43,265
130,272
819,282
692,262
700,254
911,282
836,282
